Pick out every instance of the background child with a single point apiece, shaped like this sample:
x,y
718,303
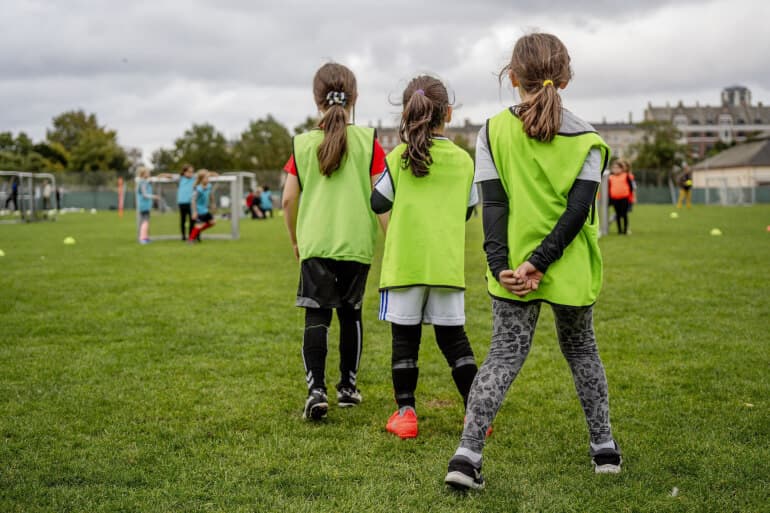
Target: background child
x,y
266,201
333,231
428,187
201,198
184,199
621,190
685,188
144,197
539,167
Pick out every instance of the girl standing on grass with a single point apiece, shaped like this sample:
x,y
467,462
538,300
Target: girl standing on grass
x,y
539,167
428,190
184,194
201,198
621,191
332,230
144,197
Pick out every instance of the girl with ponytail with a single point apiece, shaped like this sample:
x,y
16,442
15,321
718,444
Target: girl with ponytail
x,y
539,167
427,191
333,231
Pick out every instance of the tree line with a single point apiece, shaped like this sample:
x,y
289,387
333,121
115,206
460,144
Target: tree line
x,y
77,142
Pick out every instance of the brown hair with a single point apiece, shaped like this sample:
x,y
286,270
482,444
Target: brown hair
x,y
624,164
334,89
540,63
185,168
425,102
202,173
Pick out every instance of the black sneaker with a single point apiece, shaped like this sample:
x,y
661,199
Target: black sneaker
x,y
316,405
348,396
463,475
607,460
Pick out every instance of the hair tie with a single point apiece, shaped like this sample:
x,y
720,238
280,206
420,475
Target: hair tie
x,y
420,91
547,82
336,98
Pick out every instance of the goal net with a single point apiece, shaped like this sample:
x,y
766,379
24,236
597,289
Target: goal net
x,y
228,196
721,191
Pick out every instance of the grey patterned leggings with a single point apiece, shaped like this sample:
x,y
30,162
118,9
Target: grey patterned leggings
x,y
514,326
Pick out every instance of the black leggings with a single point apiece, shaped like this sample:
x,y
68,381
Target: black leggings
x,y
185,216
314,347
621,213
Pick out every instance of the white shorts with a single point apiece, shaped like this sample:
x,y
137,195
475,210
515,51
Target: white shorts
x,y
422,304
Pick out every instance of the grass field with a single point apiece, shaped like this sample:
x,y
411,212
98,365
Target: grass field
x,y
169,377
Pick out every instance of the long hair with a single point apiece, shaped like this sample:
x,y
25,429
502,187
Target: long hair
x,y
541,64
425,102
334,89
185,168
200,175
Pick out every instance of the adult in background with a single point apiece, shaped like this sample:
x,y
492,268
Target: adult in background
x,y
47,190
685,189
14,195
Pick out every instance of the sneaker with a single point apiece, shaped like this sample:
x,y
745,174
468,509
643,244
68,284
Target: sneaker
x,y
607,460
348,396
403,423
316,405
463,475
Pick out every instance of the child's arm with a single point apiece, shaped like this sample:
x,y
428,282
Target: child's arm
x,y
382,198
193,205
290,205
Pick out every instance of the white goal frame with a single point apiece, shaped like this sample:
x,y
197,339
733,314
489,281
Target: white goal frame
x,y
236,185
27,202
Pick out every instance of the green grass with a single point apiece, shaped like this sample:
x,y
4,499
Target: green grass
x,y
169,378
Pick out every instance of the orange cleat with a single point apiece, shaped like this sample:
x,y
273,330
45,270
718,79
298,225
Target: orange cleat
x,y
403,425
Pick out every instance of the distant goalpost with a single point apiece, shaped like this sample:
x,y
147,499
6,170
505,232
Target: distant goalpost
x,y
27,197
720,191
604,204
227,191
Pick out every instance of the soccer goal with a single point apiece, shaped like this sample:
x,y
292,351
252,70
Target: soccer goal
x,y
725,192
29,203
228,195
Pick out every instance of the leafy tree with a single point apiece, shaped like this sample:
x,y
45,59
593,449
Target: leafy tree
x,y
21,154
265,144
204,147
462,141
164,159
659,150
91,147
306,126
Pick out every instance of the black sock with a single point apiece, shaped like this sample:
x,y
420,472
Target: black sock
x,y
406,348
456,348
317,321
351,344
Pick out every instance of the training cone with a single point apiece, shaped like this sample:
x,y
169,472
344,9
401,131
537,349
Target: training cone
x,y
715,231
2,253
673,215
69,241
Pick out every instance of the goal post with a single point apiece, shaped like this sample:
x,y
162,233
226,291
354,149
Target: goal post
x,y
28,193
228,195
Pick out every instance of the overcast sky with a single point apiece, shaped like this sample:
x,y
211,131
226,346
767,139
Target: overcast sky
x,y
151,68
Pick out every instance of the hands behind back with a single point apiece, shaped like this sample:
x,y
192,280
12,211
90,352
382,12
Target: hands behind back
x,y
521,281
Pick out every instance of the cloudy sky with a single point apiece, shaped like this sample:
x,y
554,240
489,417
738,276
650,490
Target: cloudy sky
x,y
151,68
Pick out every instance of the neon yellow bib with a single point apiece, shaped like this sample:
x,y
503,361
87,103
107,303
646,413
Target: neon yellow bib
x,y
425,244
335,219
537,177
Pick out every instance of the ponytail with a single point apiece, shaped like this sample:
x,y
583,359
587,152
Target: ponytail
x,y
539,64
541,114
425,103
332,149
335,91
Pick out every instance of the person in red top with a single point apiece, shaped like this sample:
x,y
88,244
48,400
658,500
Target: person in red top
x,y
621,186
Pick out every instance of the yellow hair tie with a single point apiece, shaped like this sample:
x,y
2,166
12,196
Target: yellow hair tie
x,y
547,82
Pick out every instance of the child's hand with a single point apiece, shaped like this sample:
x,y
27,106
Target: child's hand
x,y
526,278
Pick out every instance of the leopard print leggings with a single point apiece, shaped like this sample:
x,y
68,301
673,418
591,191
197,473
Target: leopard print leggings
x,y
514,326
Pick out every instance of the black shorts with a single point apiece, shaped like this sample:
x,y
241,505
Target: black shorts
x,y
144,215
327,283
204,218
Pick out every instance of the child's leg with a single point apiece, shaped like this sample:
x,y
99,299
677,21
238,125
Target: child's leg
x,y
574,326
144,230
455,347
317,321
513,327
351,345
406,348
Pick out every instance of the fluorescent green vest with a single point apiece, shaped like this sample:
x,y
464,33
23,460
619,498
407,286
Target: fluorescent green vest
x,y
335,219
537,177
425,244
